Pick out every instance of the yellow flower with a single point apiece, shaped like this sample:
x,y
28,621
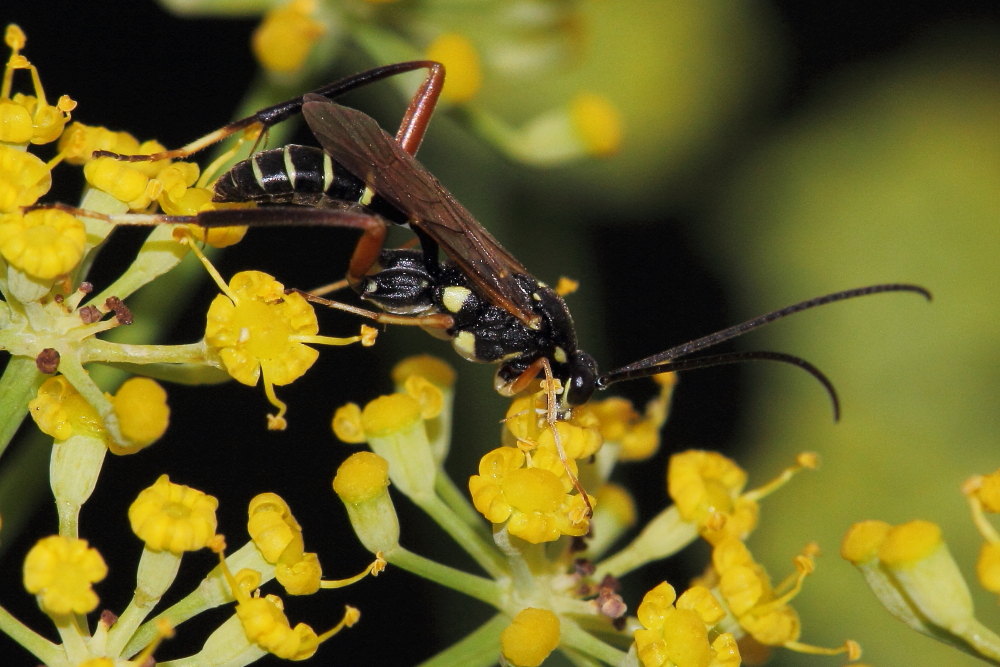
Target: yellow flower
x,y
28,118
263,618
60,571
676,630
47,121
527,422
173,517
283,41
707,489
597,122
762,610
143,414
24,178
362,483
531,636
128,182
259,330
274,530
427,366
464,75
266,625
44,243
60,411
78,143
532,500
302,577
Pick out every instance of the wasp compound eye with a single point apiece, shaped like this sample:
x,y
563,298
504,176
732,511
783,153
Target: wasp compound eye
x,y
582,378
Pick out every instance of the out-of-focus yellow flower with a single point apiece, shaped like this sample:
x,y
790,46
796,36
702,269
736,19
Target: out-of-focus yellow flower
x,y
284,39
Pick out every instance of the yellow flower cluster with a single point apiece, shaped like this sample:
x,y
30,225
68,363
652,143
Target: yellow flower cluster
x,y
172,519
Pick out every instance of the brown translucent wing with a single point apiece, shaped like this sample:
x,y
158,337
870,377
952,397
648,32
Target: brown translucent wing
x,y
358,143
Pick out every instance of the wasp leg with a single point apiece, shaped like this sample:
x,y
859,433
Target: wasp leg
x,y
330,288
417,115
519,384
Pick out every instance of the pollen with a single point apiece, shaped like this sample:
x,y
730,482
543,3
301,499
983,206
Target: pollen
x,y
60,571
531,637
173,517
461,61
283,41
143,413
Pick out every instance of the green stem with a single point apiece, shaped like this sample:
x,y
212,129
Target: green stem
x,y
191,353
474,586
471,542
459,503
44,651
18,385
664,536
477,649
573,635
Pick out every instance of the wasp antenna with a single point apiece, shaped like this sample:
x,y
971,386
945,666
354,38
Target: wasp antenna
x,y
713,339
632,371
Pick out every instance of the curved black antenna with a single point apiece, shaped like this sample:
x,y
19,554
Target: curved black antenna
x,y
628,373
713,339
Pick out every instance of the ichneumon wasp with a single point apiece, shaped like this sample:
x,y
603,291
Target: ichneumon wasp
x,y
477,295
